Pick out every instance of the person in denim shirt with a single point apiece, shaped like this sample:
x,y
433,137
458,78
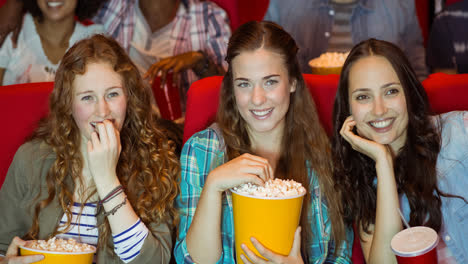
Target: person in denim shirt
x,y
267,127
391,153
310,22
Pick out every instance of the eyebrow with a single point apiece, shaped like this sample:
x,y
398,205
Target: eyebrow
x,y
110,88
264,78
382,87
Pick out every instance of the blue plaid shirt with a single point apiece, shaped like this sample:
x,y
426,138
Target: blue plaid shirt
x,y
200,155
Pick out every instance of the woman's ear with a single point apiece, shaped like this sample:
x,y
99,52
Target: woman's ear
x,y
292,87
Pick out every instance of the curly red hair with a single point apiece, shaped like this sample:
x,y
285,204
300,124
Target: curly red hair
x,y
148,167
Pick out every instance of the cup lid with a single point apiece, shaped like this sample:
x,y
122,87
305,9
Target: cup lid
x,y
414,241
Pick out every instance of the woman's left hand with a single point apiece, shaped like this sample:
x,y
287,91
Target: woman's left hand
x,y
294,256
103,153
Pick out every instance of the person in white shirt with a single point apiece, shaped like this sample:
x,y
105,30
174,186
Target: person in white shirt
x,y
49,29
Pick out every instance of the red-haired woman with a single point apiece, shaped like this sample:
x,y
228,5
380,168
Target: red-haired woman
x,y
98,169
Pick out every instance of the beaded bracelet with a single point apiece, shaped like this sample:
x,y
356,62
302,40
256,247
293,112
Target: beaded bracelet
x,y
117,207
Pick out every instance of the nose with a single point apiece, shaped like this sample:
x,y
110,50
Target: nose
x,y
379,107
258,95
103,108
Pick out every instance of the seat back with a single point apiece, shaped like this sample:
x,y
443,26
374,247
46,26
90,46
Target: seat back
x,y
21,107
447,92
202,104
232,10
241,11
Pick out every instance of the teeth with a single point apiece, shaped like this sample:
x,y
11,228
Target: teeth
x,y
54,4
381,124
261,113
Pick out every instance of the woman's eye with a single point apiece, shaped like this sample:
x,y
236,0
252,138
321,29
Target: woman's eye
x,y
243,84
392,91
113,94
271,82
361,97
86,98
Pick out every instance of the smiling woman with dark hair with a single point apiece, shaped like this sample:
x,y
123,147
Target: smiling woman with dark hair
x,y
390,152
85,9
48,30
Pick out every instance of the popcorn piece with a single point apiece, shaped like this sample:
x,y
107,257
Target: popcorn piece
x,y
329,59
60,245
272,189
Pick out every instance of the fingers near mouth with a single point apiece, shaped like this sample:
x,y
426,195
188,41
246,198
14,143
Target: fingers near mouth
x,y
94,125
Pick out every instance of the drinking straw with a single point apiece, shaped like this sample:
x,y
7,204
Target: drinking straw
x,y
403,218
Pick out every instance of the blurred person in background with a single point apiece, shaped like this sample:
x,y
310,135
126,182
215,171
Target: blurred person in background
x,y
447,47
186,37
49,29
321,26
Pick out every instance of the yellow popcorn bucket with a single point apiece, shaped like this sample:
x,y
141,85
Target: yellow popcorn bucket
x,y
52,257
272,221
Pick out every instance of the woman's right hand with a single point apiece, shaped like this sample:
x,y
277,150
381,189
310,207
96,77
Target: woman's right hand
x,y
12,254
367,147
243,169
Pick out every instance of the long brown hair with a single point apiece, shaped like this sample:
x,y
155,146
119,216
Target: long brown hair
x,y
148,169
415,164
304,144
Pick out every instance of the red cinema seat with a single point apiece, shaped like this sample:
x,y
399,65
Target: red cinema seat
x,y
242,11
202,104
21,107
252,10
232,10
447,92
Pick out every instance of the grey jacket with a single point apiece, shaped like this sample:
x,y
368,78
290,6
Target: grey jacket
x,y
26,178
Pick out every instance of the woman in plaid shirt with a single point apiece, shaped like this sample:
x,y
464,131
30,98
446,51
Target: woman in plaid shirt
x,y
267,127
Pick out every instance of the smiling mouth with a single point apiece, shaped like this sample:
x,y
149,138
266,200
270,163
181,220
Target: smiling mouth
x,y
261,113
54,4
382,125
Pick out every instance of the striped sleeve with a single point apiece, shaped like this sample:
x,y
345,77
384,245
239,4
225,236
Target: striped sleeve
x,y
127,244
